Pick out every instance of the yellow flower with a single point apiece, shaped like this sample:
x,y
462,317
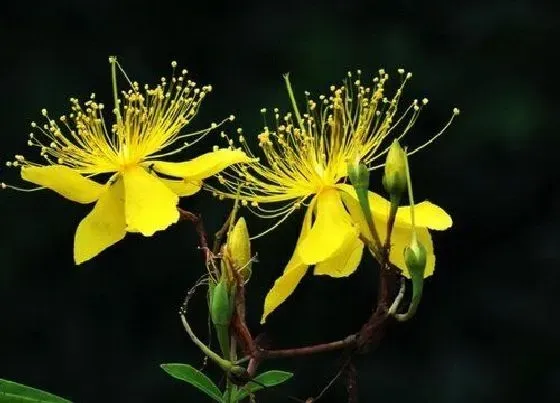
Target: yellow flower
x,y
307,157
142,191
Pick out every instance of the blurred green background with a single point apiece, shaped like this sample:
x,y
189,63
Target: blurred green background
x,y
487,329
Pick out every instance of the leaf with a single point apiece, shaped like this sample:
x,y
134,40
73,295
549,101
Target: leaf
x,y
261,381
187,373
12,392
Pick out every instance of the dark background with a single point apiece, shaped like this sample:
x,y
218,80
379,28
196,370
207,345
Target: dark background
x,y
486,331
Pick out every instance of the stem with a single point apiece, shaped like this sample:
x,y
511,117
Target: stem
x,y
199,226
410,194
391,223
233,358
417,278
219,235
364,204
395,305
113,61
223,364
414,303
349,341
293,99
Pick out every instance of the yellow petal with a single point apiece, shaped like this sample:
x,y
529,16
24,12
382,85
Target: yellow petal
x,y
285,285
331,230
64,181
427,214
150,205
103,226
203,166
400,238
181,187
344,262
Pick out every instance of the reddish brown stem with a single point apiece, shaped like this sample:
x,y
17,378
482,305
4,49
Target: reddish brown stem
x,y
348,342
199,226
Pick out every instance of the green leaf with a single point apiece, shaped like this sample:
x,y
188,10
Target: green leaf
x,y
12,392
187,373
261,381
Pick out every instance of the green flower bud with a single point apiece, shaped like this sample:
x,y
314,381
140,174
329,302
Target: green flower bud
x,y
239,248
222,301
394,179
358,174
415,258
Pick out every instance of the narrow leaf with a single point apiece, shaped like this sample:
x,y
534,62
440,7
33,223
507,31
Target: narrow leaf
x,y
187,373
261,381
13,392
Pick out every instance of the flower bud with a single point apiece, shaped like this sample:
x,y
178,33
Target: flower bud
x,y
239,248
415,259
394,179
222,302
358,174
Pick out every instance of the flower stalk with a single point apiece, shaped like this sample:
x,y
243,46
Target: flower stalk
x,y
415,257
359,178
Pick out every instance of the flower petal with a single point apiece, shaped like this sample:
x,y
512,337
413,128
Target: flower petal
x,y
64,181
285,285
103,226
344,262
331,230
150,205
203,166
427,214
182,188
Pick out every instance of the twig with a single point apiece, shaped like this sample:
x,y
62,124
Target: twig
x,y
331,382
203,239
220,234
351,383
347,342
